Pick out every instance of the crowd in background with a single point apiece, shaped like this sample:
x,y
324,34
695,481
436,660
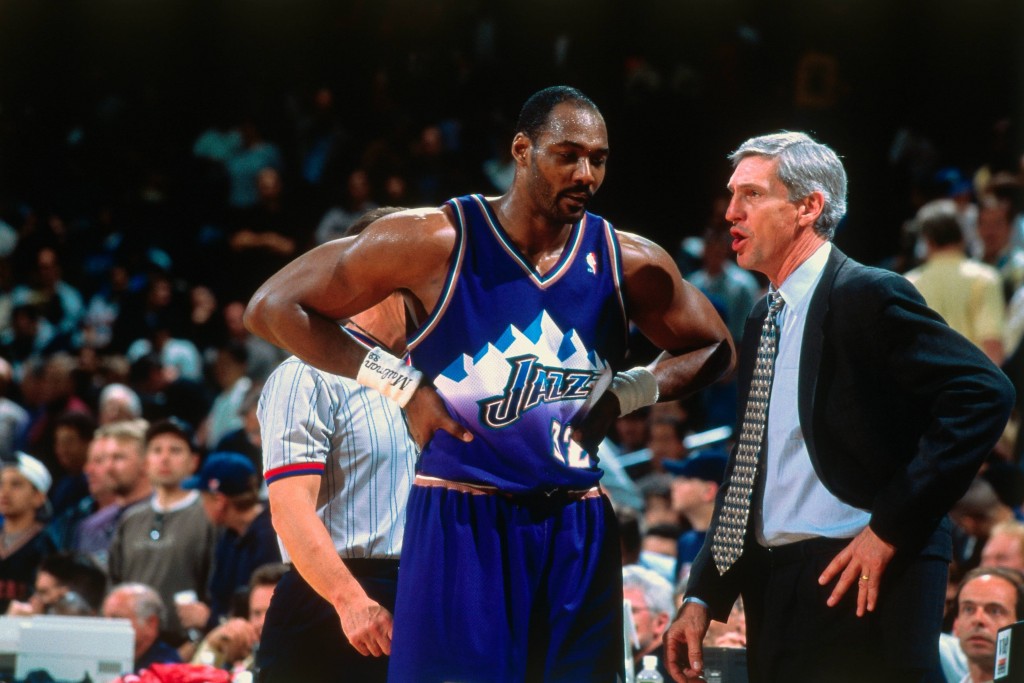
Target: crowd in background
x,y
138,215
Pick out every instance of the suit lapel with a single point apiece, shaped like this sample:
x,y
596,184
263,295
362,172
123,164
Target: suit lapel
x,y
812,347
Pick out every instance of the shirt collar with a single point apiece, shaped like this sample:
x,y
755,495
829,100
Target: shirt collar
x,y
798,286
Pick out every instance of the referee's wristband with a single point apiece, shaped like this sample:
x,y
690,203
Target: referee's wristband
x,y
635,389
389,375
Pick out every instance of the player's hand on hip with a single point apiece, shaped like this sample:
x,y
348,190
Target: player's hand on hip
x,y
425,414
860,563
368,627
591,430
684,639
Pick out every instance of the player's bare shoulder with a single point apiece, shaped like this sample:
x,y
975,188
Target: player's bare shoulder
x,y
418,242
640,254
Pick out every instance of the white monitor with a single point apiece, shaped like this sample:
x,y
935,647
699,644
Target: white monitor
x,y
67,648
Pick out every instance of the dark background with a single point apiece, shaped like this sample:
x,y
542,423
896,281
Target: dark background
x,y
96,95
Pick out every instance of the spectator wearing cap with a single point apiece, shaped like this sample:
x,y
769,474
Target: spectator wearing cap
x,y
167,544
229,489
694,487
24,483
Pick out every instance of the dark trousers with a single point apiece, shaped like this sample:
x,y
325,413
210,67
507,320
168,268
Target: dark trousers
x,y
793,635
302,637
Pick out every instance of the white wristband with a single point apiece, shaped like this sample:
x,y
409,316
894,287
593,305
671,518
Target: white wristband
x,y
389,375
635,389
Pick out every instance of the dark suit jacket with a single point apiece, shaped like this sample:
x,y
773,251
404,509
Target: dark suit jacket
x,y
897,409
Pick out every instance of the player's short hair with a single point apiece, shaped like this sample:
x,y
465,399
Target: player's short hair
x,y
536,111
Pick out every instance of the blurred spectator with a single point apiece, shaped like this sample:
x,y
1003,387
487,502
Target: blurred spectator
x,y
147,612
658,549
263,356
117,452
733,633
24,484
58,302
205,326
968,295
264,237
229,488
231,645
28,338
219,142
165,394
56,397
155,305
247,439
118,402
630,535
695,485
13,418
630,431
664,442
1007,480
100,483
731,288
733,291
105,306
974,516
176,354
320,135
1005,547
650,599
995,230
229,372
354,203
244,166
656,490
167,544
71,436
60,574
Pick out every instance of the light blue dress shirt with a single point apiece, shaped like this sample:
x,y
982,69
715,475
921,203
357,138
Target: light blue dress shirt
x,y
796,505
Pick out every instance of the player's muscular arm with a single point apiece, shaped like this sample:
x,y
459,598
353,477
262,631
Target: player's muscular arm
x,y
299,306
676,317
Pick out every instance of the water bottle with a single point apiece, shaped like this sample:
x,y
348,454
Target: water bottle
x,y
650,674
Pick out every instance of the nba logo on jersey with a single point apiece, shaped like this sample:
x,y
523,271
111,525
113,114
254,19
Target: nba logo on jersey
x,y
591,263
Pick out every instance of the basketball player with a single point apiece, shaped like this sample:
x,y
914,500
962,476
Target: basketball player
x,y
511,563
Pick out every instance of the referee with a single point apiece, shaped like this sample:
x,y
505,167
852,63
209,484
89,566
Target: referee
x,y
338,462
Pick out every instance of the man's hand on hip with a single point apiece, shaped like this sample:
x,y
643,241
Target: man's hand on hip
x,y
862,562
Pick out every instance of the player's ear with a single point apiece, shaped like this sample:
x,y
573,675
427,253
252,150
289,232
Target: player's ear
x,y
520,147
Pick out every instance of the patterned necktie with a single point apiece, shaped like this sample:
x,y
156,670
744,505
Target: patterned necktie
x,y
727,545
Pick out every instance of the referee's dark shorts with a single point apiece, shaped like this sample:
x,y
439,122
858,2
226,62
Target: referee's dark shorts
x,y
302,637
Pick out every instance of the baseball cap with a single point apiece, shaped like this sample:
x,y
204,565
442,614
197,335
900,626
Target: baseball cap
x,y
224,472
176,426
32,469
707,464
